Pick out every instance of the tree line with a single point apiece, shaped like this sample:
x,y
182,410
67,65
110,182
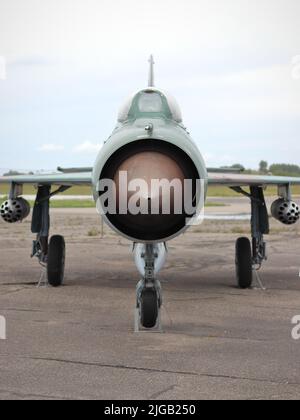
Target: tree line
x,y
279,169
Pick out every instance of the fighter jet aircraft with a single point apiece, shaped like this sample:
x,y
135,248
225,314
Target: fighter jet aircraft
x,y
149,143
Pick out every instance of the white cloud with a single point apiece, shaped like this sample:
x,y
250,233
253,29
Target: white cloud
x,y
51,148
257,94
87,147
81,31
229,64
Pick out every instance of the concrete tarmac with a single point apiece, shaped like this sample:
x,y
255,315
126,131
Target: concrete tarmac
x,y
77,341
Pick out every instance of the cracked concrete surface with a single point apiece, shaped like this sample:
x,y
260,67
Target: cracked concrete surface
x,y
77,342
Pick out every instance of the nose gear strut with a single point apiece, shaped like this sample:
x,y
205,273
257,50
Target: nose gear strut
x,y
148,294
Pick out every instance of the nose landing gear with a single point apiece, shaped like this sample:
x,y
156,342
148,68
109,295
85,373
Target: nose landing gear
x,y
147,313
148,291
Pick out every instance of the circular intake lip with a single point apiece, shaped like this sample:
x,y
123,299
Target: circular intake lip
x,y
148,159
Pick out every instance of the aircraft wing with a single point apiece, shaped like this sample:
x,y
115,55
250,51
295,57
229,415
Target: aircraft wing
x,y
61,179
242,180
214,178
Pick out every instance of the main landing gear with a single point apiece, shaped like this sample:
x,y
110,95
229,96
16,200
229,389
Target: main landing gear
x,y
249,258
149,260
51,254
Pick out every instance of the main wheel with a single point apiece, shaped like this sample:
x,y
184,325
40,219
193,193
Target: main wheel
x,y
56,261
149,308
244,263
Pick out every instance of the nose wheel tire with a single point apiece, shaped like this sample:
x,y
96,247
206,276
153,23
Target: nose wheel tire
x,y
56,261
243,262
149,308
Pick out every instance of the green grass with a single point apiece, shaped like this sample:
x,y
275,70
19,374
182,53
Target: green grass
x,y
227,192
85,204
212,204
72,204
83,190
30,190
69,204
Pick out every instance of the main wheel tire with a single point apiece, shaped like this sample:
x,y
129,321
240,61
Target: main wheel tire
x,y
149,308
56,261
244,263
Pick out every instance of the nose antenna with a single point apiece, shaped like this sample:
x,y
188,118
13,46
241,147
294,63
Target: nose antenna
x,y
151,72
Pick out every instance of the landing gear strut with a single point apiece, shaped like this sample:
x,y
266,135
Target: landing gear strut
x,y
51,255
249,259
149,292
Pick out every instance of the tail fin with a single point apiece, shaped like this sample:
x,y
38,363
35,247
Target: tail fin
x,y
151,72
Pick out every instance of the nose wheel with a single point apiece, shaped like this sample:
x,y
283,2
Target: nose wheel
x,y
148,296
147,314
148,308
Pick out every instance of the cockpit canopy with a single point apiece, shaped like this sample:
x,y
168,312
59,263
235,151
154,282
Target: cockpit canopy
x,y
150,102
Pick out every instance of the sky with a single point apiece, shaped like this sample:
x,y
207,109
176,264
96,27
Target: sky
x,y
67,65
